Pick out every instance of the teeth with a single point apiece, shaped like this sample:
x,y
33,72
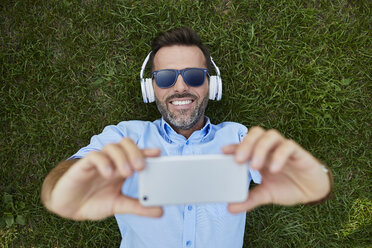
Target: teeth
x,y
181,102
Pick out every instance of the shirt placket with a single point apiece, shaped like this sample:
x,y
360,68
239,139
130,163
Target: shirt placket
x,y
186,149
189,220
189,226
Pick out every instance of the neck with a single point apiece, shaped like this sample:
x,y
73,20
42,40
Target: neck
x,y
187,132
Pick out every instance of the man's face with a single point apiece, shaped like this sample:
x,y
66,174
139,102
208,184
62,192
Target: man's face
x,y
181,105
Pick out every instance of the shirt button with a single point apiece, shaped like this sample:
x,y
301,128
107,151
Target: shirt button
x,y
188,243
189,207
187,142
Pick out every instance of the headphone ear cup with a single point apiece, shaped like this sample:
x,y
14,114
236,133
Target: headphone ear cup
x,y
149,90
143,89
219,88
212,87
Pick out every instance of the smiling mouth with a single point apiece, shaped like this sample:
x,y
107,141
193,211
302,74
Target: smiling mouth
x,y
180,103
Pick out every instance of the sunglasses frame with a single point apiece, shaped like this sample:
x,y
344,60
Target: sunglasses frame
x,y
178,72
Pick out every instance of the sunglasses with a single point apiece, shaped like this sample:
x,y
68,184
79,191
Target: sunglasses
x,y
193,77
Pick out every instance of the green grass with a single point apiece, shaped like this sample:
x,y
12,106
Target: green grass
x,y
302,67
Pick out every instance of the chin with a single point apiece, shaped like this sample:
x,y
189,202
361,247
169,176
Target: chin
x,y
184,123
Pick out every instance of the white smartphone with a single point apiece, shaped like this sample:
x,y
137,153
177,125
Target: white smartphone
x,y
192,179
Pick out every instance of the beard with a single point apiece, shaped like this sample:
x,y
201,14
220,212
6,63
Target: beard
x,y
183,119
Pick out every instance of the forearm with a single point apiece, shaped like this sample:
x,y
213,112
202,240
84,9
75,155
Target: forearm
x,y
52,179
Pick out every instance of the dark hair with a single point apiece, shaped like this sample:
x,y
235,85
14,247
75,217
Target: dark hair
x,y
178,36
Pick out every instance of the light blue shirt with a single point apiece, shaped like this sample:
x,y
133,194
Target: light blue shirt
x,y
197,225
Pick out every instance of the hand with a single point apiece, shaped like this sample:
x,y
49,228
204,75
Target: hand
x,y
290,174
91,188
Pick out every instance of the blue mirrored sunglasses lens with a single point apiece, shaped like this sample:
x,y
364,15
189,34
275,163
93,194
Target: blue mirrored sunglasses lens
x,y
194,77
165,79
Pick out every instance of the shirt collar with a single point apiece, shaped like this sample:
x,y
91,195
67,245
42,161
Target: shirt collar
x,y
196,137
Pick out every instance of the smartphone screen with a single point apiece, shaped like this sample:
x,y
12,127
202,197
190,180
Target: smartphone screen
x,y
192,179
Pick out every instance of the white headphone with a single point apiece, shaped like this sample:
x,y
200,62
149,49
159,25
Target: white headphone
x,y
215,84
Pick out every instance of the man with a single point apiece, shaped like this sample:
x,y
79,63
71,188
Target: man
x,y
100,180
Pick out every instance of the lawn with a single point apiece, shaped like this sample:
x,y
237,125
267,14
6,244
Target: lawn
x,y
302,67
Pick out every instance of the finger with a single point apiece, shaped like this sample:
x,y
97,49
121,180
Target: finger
x,y
244,150
263,147
257,196
281,155
116,153
100,162
230,149
128,205
133,153
151,152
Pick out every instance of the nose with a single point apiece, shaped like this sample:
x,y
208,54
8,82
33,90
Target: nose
x,y
180,85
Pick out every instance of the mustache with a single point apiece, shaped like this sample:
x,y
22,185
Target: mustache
x,y
169,98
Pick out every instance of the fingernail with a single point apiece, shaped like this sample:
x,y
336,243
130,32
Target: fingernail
x,y
240,156
274,167
140,163
159,213
126,167
108,170
256,161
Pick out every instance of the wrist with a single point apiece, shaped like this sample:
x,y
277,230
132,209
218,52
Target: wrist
x,y
325,169
51,180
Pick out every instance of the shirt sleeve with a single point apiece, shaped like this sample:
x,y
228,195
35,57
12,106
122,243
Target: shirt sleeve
x,y
110,134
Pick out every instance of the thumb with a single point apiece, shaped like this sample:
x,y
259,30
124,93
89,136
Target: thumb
x,y
229,149
128,205
151,152
257,196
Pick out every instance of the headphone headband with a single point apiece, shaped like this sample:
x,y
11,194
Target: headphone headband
x,y
215,67
144,64
143,67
